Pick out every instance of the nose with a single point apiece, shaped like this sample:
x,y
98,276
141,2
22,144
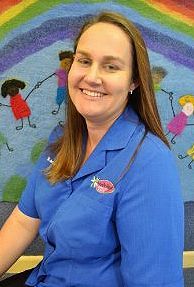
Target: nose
x,y
93,75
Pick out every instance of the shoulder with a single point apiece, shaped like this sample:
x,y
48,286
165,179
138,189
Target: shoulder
x,y
153,148
154,163
153,176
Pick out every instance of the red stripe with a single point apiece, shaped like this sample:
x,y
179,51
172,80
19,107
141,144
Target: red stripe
x,y
189,4
6,4
177,7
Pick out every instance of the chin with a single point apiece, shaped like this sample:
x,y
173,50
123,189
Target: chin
x,y
91,116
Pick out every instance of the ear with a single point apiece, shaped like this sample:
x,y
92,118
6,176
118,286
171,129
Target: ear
x,y
133,86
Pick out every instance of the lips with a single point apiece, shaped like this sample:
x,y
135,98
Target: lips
x,y
94,94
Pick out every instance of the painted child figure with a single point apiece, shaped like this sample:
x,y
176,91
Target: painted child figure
x,y
189,153
65,58
19,106
158,74
177,125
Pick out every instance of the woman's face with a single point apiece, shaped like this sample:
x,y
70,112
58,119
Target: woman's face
x,y
100,76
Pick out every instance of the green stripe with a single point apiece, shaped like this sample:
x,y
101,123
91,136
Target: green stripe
x,y
30,12
148,12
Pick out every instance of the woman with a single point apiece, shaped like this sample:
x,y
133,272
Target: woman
x,y
105,196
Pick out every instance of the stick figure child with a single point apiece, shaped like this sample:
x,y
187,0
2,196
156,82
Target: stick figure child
x,y
19,106
65,58
177,125
158,74
3,141
189,152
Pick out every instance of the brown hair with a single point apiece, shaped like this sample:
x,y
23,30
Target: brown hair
x,y
65,54
69,149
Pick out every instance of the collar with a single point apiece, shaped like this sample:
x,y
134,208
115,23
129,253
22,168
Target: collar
x,y
116,138
121,131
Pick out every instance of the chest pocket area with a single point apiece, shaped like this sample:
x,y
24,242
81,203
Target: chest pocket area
x,y
80,222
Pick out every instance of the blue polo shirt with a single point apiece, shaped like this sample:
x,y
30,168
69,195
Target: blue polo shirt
x,y
111,224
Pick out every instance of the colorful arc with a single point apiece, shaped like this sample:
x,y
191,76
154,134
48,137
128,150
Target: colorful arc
x,y
16,13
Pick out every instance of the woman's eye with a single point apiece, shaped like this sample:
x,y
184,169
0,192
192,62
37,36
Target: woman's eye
x,y
111,67
83,61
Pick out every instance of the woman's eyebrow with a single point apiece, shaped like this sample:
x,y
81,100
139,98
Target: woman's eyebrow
x,y
82,53
105,58
114,58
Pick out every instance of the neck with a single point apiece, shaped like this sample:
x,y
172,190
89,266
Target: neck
x,y
95,134
96,131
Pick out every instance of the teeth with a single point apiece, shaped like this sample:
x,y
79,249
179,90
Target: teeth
x,y
92,94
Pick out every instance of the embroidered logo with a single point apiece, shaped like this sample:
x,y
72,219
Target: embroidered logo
x,y
50,159
102,185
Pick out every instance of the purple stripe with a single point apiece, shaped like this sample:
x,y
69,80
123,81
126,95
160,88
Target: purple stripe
x,y
66,28
173,55
172,49
39,38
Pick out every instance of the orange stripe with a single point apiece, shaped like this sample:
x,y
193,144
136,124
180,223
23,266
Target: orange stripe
x,y
171,5
170,11
6,4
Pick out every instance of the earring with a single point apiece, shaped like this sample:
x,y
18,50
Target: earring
x,y
131,92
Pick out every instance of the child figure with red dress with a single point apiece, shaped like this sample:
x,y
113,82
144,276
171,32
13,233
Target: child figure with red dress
x,y
18,105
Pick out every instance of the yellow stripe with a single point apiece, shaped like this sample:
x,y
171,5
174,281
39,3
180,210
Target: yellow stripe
x,y
15,10
27,262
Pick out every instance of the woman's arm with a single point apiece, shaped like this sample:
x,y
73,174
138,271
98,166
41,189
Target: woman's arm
x,y
15,236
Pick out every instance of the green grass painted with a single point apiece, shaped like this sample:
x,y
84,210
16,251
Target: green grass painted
x,y
13,188
37,150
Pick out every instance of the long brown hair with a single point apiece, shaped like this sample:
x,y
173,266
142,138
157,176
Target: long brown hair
x,y
69,149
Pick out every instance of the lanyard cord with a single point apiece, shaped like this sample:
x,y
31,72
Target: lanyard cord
x,y
132,158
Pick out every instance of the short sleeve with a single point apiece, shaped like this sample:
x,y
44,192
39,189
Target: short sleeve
x,y
149,220
27,202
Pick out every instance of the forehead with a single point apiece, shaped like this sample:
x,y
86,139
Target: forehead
x,y
189,104
107,39
188,107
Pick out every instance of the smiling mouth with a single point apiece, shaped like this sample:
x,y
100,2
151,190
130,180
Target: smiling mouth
x,y
92,94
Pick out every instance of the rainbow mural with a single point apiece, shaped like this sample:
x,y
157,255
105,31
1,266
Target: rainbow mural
x,y
34,31
46,18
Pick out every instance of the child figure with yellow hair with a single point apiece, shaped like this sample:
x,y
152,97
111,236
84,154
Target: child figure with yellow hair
x,y
177,125
189,152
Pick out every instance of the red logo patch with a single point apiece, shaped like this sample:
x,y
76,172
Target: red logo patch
x,y
102,185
